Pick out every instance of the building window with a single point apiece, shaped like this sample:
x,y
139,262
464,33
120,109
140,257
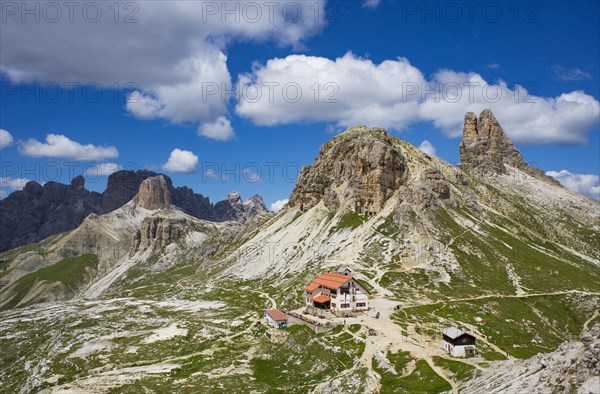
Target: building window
x,y
345,306
361,304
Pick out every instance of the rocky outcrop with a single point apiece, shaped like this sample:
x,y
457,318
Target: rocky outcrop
x,y
156,232
361,167
158,193
437,183
486,148
37,211
573,367
421,197
235,209
122,186
154,193
78,182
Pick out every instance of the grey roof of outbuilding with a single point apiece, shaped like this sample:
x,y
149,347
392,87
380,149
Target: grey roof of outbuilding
x,y
453,332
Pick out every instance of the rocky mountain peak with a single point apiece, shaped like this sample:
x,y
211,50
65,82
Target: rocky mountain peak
x,y
362,167
78,182
485,148
154,193
38,211
122,186
255,200
234,208
234,197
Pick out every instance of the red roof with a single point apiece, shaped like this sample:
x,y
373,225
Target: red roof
x,y
321,299
328,280
276,315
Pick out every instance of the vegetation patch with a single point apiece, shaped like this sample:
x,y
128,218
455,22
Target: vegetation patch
x,y
520,326
459,371
351,220
422,380
70,272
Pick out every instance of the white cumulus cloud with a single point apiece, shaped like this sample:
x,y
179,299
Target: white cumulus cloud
x,y
586,184
6,139
393,94
346,91
428,148
278,205
181,161
59,146
220,130
191,100
165,51
102,169
526,118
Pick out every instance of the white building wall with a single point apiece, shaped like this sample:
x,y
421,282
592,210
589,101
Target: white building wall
x,y
456,351
270,321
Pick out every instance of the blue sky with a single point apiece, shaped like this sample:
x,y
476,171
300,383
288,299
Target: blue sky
x,y
364,56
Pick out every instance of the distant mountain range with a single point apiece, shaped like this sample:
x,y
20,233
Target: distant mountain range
x,y
39,211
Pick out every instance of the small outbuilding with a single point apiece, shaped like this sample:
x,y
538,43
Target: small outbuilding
x,y
275,318
344,271
459,343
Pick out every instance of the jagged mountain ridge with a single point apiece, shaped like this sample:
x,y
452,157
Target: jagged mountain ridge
x,y
366,178
38,212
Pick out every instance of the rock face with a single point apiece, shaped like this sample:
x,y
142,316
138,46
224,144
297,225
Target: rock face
x,y
158,232
193,204
254,206
37,211
154,193
234,208
122,186
361,166
485,147
574,367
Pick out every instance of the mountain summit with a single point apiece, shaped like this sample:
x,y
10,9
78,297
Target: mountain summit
x,y
486,147
362,167
154,193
